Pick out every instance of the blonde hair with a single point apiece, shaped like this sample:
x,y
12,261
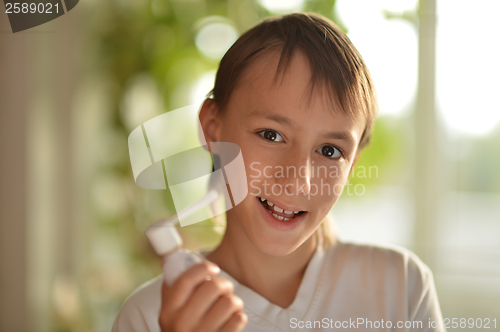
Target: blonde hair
x,y
326,232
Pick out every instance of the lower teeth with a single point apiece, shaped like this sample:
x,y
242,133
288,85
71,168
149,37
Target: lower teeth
x,y
276,216
279,217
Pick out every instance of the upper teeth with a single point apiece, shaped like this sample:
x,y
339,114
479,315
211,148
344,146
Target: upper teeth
x,y
277,208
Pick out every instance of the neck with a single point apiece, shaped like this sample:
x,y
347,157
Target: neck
x,y
276,278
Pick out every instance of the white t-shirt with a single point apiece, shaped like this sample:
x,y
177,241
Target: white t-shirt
x,y
347,286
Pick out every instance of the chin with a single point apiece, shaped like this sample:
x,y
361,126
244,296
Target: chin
x,y
275,242
274,245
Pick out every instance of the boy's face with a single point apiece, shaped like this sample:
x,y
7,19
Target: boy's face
x,y
297,152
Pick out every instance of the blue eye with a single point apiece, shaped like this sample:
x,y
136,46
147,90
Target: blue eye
x,y
271,135
329,152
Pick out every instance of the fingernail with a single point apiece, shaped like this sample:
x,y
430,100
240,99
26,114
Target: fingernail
x,y
214,268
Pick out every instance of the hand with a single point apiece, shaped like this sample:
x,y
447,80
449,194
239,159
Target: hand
x,y
197,303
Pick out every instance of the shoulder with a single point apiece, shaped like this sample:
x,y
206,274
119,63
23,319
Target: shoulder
x,y
140,310
380,261
375,280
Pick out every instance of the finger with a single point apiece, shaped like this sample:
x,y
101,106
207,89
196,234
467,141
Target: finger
x,y
177,295
236,323
204,297
220,312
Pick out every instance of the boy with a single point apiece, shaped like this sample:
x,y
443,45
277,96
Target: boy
x,y
295,95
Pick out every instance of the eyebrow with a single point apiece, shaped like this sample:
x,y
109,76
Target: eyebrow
x,y
283,120
345,136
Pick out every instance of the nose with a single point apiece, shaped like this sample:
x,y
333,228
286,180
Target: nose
x,y
296,178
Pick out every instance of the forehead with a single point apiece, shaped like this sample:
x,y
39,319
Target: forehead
x,y
289,92
262,76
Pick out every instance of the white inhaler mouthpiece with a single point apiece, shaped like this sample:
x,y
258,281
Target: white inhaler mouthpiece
x,y
167,242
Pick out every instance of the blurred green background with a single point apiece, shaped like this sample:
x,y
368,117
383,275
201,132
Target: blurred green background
x,y
72,246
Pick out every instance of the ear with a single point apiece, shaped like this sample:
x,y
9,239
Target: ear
x,y
209,121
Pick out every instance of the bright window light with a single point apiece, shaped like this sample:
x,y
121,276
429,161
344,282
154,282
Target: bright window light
x,y
280,6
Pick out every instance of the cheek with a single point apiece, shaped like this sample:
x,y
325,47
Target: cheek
x,y
259,173
257,162
327,185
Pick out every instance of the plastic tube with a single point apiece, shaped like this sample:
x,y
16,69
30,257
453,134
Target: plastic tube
x,y
167,243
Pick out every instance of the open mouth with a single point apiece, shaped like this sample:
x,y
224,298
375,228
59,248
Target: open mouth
x,y
278,212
